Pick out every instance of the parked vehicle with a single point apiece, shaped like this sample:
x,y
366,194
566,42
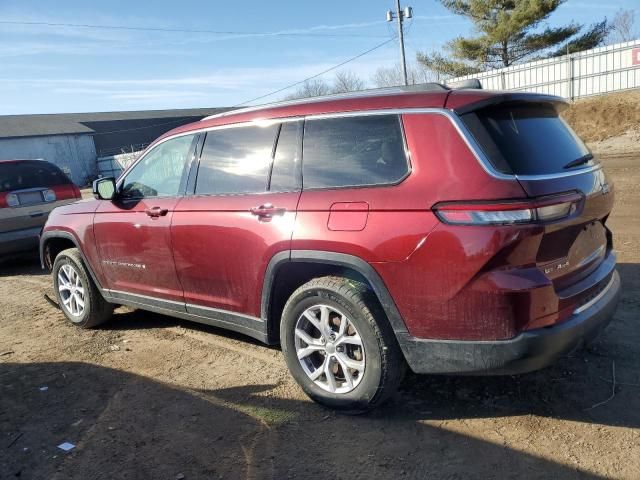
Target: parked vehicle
x,y
453,231
29,190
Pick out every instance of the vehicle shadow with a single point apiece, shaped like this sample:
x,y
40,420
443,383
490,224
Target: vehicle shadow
x,y
128,426
27,263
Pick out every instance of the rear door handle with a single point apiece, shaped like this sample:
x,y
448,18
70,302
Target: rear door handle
x,y
267,211
155,212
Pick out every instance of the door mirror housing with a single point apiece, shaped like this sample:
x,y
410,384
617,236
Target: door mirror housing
x,y
104,188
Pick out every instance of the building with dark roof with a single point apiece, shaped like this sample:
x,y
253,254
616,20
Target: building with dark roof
x,y
74,141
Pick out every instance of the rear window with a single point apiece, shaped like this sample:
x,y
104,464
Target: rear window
x,y
353,151
526,139
30,174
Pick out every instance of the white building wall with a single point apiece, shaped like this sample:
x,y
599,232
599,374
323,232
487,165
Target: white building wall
x,y
73,154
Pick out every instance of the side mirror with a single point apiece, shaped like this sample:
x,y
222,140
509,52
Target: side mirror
x,y
104,188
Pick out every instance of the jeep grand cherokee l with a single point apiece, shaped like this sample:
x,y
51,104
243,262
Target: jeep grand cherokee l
x,y
29,190
450,231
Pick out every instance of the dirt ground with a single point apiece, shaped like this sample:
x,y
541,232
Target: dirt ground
x,y
598,118
151,397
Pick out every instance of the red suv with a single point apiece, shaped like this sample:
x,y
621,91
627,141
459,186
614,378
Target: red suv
x,y
453,231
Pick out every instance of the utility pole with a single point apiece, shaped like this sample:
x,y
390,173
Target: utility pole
x,y
400,15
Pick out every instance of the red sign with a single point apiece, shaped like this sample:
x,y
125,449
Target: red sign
x,y
635,56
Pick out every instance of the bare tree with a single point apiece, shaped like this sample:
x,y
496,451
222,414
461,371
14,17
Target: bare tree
x,y
344,81
623,27
392,76
347,81
310,88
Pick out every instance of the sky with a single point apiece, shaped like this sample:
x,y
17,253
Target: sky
x,y
56,69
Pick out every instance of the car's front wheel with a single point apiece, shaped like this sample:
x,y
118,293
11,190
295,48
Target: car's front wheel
x,y
77,294
339,346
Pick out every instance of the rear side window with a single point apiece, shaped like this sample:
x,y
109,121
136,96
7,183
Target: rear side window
x,y
526,139
30,174
236,160
353,151
285,175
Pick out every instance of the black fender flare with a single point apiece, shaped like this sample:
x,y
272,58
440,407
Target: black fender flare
x,y
337,259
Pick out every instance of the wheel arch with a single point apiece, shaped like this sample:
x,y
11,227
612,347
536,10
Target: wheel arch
x,y
52,242
289,269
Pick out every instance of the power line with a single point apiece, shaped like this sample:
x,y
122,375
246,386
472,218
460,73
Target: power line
x,y
317,74
181,30
262,96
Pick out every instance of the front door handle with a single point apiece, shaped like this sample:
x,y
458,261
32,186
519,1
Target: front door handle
x,y
155,212
267,210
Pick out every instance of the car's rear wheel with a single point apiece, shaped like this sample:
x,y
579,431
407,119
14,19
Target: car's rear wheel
x,y
77,294
339,346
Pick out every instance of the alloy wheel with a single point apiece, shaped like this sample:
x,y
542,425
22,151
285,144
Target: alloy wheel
x,y
329,349
72,290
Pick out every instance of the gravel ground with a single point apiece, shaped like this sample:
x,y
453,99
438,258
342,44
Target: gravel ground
x,y
149,396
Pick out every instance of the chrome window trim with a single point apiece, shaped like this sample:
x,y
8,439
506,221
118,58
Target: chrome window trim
x,y
455,120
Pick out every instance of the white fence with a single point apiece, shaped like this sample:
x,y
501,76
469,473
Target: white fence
x,y
591,72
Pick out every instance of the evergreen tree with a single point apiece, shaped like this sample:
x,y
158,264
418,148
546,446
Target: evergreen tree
x,y
509,32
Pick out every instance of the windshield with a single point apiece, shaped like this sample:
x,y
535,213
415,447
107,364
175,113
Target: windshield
x,y
30,174
527,139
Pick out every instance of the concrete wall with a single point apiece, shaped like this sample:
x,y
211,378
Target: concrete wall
x,y
74,154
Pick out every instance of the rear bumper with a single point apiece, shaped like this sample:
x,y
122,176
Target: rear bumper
x,y
19,240
530,350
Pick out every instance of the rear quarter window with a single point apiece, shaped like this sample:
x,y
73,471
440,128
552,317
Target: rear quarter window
x,y
526,139
353,151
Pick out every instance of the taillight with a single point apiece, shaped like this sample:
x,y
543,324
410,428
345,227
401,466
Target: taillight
x,y
540,210
65,191
49,195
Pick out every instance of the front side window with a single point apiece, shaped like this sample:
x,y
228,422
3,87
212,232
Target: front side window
x,y
353,151
236,160
160,173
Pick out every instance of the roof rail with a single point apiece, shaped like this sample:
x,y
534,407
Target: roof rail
x,y
421,87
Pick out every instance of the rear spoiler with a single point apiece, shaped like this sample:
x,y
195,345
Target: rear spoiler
x,y
498,98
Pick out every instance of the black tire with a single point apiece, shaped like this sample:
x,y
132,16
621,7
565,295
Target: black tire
x,y
96,309
385,365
